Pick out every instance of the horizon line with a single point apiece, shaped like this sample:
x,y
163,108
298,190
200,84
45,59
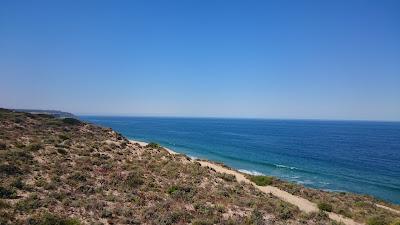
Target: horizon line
x,y
233,117
208,116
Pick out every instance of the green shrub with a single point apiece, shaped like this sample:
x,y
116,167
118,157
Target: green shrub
x,y
4,205
63,137
173,217
256,218
261,180
106,213
181,192
202,222
7,192
78,177
325,206
19,145
34,147
18,120
9,169
134,180
71,121
152,145
49,219
18,183
227,177
30,203
62,151
285,211
172,189
18,154
377,220
3,146
395,222
361,204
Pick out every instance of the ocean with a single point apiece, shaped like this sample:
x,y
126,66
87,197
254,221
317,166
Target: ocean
x,y
354,156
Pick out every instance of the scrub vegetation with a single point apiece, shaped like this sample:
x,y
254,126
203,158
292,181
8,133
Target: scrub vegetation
x,y
67,172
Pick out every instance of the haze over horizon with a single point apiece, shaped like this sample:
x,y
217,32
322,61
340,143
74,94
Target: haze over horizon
x,y
336,60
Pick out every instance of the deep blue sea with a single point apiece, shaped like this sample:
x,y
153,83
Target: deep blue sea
x,y
355,156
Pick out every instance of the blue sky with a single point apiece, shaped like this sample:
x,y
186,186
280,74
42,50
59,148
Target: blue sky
x,y
270,59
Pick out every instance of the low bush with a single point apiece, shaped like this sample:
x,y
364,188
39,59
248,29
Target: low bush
x,y
325,206
18,183
7,192
19,154
62,151
227,177
28,204
34,147
4,205
49,219
7,169
261,180
19,145
285,211
106,213
202,222
63,137
395,222
172,189
78,177
3,146
153,145
361,204
181,192
134,180
378,220
71,121
256,218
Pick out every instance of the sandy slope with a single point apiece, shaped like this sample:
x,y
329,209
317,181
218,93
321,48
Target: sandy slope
x,y
302,203
388,208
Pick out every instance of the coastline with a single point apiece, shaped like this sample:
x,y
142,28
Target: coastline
x,y
248,146
302,203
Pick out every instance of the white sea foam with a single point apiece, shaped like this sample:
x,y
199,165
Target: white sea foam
x,y
324,183
334,190
192,157
287,167
251,172
309,182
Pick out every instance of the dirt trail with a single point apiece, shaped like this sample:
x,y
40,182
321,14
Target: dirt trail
x,y
388,208
302,203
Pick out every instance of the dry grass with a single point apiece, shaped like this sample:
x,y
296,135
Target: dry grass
x,y
69,172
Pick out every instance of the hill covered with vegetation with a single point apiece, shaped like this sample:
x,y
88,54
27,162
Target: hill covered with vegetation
x,y
67,172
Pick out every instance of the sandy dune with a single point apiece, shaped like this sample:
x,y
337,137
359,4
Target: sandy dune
x,y
302,203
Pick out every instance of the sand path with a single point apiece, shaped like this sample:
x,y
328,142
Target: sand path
x,y
302,203
388,208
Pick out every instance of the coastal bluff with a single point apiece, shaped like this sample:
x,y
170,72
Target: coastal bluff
x,y
65,171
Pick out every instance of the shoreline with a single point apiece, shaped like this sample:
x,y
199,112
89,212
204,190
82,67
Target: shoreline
x,y
303,204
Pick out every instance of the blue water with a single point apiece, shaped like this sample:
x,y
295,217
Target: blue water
x,y
361,157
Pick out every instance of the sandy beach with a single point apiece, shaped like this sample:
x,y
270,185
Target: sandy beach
x,y
302,203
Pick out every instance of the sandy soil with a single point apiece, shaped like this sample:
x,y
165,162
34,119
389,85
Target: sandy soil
x,y
388,208
302,203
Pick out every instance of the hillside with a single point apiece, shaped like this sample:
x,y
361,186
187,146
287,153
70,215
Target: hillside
x,y
63,171
55,113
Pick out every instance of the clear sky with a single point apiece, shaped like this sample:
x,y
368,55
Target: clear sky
x,y
223,58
